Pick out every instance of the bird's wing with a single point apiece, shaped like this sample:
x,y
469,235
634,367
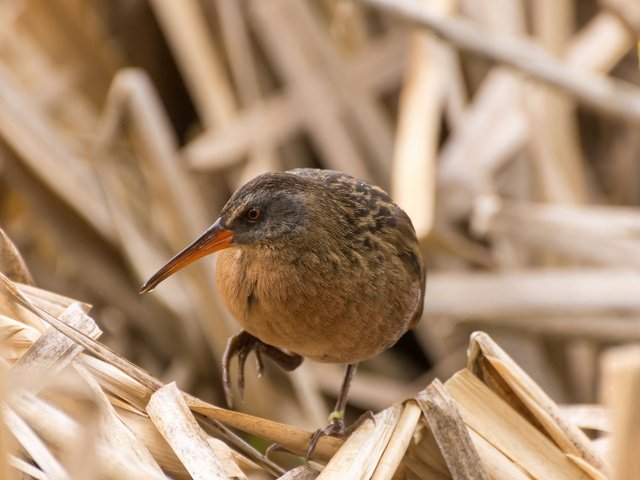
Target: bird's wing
x,y
402,236
404,239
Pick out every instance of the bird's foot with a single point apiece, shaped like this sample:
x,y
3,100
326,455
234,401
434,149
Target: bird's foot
x,y
241,345
276,447
336,428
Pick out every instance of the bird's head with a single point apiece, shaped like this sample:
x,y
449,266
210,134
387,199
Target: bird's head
x,y
269,210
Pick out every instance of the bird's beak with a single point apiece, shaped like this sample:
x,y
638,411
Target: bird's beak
x,y
213,239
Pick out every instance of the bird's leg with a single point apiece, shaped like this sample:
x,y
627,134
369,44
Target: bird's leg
x,y
336,418
241,345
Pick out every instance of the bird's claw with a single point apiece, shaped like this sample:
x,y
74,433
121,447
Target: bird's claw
x,y
259,364
336,428
274,447
241,345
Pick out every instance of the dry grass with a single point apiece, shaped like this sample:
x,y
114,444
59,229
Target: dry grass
x,y
75,409
506,128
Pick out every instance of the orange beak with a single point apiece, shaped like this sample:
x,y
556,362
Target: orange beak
x,y
213,239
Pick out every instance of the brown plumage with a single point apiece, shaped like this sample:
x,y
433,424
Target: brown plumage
x,y
316,264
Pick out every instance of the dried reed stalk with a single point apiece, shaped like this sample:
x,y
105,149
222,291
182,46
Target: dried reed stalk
x,y
621,383
603,94
450,433
419,118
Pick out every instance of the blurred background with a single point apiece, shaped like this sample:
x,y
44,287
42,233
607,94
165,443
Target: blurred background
x,y
513,145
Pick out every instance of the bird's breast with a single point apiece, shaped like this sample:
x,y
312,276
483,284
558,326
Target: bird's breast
x,y
308,305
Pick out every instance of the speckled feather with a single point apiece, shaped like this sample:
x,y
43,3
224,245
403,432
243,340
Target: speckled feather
x,y
334,273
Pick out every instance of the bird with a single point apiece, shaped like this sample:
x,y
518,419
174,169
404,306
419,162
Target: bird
x,y
312,263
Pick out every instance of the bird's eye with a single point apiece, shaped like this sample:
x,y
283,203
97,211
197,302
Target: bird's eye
x,y
254,214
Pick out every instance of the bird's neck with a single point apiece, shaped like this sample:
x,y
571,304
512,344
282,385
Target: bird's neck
x,y
253,280
265,269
